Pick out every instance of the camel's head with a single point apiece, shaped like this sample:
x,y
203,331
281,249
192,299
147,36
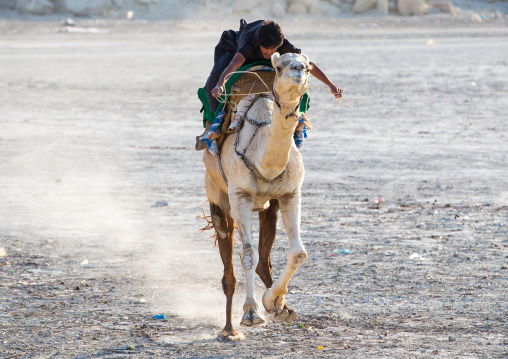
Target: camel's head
x,y
292,73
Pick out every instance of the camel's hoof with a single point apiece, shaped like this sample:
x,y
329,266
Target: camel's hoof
x,y
268,302
273,304
286,316
229,336
252,318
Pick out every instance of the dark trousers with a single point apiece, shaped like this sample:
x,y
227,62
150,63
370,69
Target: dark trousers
x,y
223,54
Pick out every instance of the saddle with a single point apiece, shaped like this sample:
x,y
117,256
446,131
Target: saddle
x,y
248,87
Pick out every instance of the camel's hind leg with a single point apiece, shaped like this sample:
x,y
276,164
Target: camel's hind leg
x,y
224,228
267,232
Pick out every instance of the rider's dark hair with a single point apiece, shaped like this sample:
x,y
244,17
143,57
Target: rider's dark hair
x,y
270,34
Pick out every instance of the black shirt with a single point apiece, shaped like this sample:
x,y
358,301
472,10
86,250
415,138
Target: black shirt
x,y
248,45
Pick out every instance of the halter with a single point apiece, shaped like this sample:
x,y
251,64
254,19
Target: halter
x,y
280,108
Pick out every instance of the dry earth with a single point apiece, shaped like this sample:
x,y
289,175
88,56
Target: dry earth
x,y
96,128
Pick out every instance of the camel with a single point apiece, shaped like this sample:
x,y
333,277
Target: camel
x,y
260,169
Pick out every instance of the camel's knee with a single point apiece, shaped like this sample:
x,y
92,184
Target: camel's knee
x,y
249,256
264,267
297,258
229,284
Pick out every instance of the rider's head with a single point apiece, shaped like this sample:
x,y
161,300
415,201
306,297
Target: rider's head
x,y
270,37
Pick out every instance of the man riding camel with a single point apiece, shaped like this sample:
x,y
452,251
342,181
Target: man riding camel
x,y
255,41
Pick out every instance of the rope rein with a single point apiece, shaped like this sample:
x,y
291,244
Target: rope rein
x,y
346,102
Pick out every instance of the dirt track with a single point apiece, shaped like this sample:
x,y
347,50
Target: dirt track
x,y
95,128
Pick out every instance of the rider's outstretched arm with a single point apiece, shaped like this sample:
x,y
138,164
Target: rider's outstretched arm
x,y
321,76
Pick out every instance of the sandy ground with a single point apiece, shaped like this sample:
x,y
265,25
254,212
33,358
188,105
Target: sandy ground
x,y
96,128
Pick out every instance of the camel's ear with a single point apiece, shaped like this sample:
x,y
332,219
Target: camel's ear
x,y
275,59
306,58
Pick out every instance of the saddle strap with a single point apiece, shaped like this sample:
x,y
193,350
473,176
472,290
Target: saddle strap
x,y
222,169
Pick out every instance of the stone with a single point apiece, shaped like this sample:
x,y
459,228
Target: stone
x,y
59,5
297,9
34,7
382,7
89,7
315,7
412,7
362,6
278,10
305,3
147,2
242,6
445,6
7,4
330,9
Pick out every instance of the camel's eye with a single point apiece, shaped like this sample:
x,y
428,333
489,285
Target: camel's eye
x,y
279,69
299,67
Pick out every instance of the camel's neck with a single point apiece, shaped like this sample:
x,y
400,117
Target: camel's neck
x,y
279,138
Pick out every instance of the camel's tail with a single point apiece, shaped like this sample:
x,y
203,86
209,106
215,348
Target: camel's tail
x,y
209,224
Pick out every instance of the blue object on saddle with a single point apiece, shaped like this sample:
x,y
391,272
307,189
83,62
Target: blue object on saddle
x,y
212,145
300,135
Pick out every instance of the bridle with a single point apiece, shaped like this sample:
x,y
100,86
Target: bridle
x,y
280,108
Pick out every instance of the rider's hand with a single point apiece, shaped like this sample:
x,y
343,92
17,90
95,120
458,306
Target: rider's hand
x,y
337,92
217,91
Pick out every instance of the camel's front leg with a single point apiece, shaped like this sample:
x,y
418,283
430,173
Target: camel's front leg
x,y
242,203
273,299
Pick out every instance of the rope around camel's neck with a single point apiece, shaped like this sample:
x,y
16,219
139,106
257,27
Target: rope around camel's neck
x,y
279,139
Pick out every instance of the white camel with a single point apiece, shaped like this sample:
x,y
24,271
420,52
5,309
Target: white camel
x,y
261,170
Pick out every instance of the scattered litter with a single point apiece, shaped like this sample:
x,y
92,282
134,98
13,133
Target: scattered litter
x,y
159,316
129,15
84,263
342,251
320,347
452,338
68,22
476,18
129,349
160,204
376,202
91,30
430,41
3,253
418,257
